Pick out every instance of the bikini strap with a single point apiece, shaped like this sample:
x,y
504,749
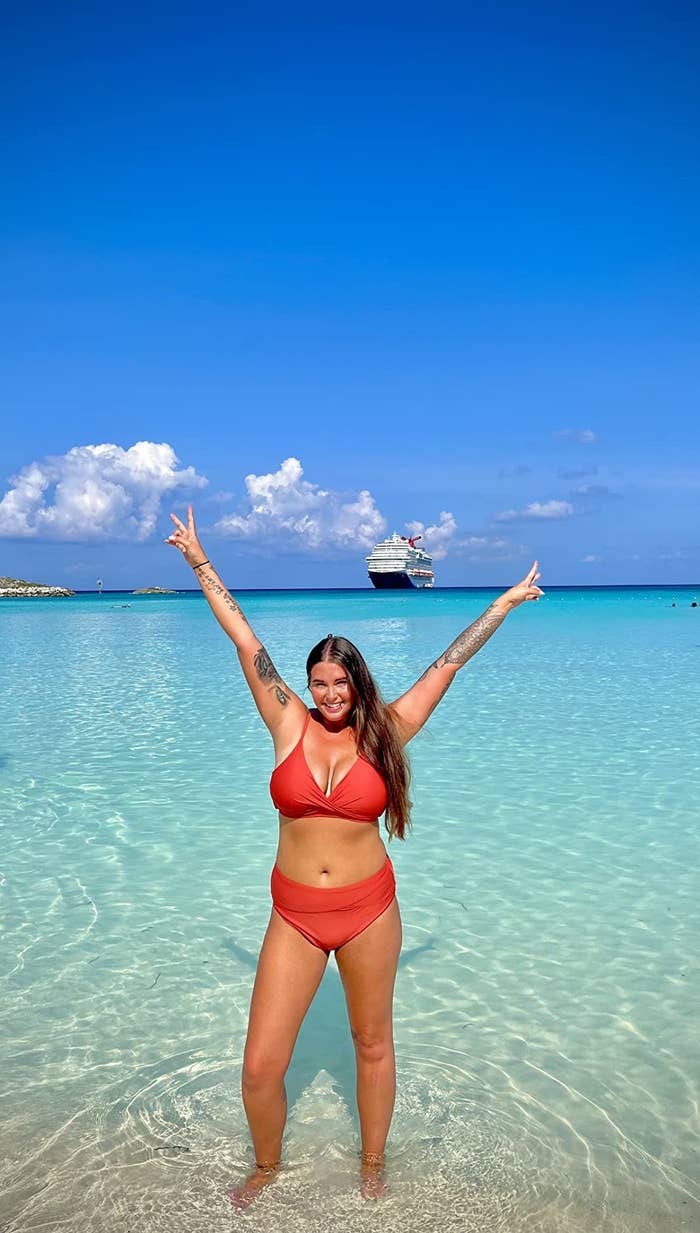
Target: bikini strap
x,y
303,731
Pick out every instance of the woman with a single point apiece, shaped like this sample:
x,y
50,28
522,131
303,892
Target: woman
x,y
337,765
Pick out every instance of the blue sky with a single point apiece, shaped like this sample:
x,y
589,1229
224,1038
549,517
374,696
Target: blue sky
x,y
328,275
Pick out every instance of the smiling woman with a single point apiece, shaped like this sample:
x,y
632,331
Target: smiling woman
x,y
333,888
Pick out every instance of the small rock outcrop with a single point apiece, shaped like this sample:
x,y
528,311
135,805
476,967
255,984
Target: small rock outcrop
x,y
17,588
153,591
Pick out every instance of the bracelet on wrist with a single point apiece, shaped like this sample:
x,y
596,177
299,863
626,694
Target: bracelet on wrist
x,y
201,563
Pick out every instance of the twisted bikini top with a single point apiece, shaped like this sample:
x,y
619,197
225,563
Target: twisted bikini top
x,y
360,796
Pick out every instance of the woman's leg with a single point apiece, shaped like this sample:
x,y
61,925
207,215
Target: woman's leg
x,y
289,972
367,967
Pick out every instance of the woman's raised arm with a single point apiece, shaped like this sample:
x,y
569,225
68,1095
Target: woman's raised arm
x,y
414,707
279,706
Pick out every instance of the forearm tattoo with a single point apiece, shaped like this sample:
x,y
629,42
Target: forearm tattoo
x,y
209,583
267,672
468,643
473,638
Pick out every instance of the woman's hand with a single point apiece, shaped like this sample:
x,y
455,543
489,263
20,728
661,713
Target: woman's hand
x,y
522,590
185,538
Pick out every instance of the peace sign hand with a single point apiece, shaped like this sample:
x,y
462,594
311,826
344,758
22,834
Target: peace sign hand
x,y
185,538
524,590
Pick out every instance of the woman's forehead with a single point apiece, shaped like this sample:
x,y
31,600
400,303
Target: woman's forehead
x,y
326,667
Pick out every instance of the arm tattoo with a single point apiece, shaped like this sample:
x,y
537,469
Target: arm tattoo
x,y
212,585
472,639
267,671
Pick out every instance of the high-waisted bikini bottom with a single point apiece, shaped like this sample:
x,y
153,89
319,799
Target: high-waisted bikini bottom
x,y
330,916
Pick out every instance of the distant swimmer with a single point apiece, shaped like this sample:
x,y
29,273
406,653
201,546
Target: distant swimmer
x,y
340,766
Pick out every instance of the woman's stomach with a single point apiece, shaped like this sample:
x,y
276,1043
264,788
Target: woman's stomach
x,y
329,851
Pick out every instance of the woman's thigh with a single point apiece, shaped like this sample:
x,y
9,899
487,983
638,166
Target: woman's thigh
x,y
289,972
367,967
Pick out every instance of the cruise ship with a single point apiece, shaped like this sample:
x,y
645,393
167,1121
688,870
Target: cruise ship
x,y
398,564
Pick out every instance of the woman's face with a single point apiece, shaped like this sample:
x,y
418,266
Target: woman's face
x,y
332,692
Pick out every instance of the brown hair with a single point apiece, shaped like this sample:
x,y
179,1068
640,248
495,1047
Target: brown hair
x,y
375,731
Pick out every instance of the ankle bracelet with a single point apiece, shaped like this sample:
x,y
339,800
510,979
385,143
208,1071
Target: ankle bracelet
x,y
372,1158
267,1166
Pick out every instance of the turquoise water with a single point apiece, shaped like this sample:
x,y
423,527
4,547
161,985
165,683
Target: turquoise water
x,y
546,1019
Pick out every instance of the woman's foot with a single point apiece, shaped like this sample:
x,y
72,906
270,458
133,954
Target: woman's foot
x,y
372,1183
242,1196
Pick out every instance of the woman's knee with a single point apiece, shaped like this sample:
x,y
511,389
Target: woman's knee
x,y
262,1070
373,1042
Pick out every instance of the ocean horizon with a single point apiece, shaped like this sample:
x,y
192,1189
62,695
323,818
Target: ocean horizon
x,y
603,586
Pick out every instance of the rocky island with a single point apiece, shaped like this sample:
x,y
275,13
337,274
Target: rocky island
x,y
17,588
153,591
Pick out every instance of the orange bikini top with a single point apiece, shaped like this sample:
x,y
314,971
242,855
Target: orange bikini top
x,y
360,796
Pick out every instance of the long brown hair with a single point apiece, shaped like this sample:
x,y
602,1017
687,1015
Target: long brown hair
x,y
375,731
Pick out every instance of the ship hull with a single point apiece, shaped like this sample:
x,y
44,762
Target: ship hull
x,y
397,582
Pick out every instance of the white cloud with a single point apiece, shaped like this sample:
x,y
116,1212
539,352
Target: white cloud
x,y
436,538
94,492
591,559
484,548
289,512
482,541
584,436
537,509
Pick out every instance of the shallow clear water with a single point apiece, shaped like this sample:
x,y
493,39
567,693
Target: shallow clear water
x,y
547,999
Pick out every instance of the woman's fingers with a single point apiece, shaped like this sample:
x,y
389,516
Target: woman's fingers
x,y
190,520
180,525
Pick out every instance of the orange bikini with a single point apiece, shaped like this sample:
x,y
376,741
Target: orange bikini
x,y
360,796
330,916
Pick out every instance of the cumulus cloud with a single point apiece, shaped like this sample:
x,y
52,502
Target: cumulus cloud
x,y
289,512
436,538
537,509
94,492
584,436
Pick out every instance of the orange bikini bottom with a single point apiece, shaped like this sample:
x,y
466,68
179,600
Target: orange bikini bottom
x,y
331,916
